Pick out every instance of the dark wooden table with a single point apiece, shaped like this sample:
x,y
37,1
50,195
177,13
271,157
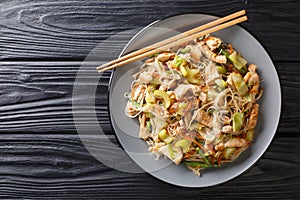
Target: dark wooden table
x,y
43,44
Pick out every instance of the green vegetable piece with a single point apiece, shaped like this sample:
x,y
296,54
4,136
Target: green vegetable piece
x,y
185,50
184,70
239,83
153,55
248,97
155,81
148,115
196,126
136,104
195,164
238,121
182,106
238,61
221,83
178,61
150,98
228,152
193,72
183,144
165,96
250,135
212,93
164,136
221,70
203,156
148,126
193,80
202,37
171,151
191,77
169,71
225,53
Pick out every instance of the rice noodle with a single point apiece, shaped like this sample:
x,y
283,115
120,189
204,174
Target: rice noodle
x,y
189,111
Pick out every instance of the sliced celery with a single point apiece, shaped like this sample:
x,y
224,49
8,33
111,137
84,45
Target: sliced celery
x,y
238,61
171,151
221,83
178,61
250,135
148,126
238,121
150,98
239,83
221,70
165,96
196,164
183,144
228,152
184,70
164,136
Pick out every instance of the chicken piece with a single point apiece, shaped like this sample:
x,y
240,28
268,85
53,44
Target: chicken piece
x,y
159,112
165,56
174,154
211,73
253,79
253,116
227,129
156,146
195,53
185,89
146,77
174,107
221,59
211,136
163,87
235,142
157,125
131,109
213,42
186,120
210,54
230,81
203,118
139,93
144,133
203,97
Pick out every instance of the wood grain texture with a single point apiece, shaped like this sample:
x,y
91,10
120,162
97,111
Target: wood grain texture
x,y
42,46
58,166
37,97
68,30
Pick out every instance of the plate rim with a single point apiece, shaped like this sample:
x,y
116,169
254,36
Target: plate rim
x,y
278,118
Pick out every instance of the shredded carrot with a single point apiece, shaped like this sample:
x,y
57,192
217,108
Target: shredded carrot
x,y
230,49
194,141
213,160
199,137
188,154
219,160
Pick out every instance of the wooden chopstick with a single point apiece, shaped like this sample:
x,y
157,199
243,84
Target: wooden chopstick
x,y
175,40
176,37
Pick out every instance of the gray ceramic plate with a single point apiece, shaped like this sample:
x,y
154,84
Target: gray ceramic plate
x,y
126,129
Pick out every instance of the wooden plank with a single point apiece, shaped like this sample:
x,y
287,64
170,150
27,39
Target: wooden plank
x,y
69,30
37,97
41,153
58,166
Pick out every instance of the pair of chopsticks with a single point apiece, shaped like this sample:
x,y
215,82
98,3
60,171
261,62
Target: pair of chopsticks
x,y
197,32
